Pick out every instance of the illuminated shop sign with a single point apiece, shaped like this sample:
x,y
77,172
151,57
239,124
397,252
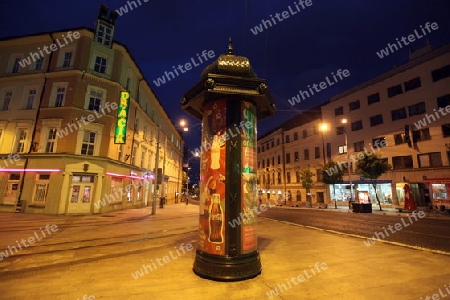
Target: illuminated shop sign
x,y
122,118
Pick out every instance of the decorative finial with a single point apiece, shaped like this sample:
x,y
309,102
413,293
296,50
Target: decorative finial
x,y
230,46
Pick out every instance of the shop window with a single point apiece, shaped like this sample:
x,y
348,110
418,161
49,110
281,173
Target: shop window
x,y
430,160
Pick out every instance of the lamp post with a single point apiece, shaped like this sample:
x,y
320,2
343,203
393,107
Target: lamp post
x,y
323,127
352,198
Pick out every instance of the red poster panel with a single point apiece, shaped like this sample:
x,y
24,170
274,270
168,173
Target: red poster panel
x,y
212,179
248,178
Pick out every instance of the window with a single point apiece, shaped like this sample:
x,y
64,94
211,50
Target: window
x,y
60,95
430,160
279,177
39,64
402,162
279,159
7,100
87,147
263,163
379,141
443,101
67,60
376,120
295,136
103,34
339,111
288,177
267,161
417,109
441,73
398,114
306,154
316,152
30,99
395,90
339,130
342,149
445,130
373,98
298,178
259,149
16,65
143,157
100,65
40,190
421,135
95,100
288,158
354,105
21,140
278,142
357,125
359,146
287,139
412,84
51,139
272,144
273,161
305,133
399,138
319,175
296,157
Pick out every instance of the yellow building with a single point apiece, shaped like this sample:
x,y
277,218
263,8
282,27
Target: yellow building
x,y
59,148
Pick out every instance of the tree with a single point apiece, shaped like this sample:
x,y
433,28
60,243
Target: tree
x,y
372,167
307,182
332,174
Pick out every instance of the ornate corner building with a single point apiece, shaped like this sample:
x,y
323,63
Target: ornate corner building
x,y
81,130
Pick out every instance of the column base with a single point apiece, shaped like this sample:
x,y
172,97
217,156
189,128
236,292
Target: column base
x,y
222,268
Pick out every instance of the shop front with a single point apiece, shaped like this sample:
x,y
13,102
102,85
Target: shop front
x,y
364,192
439,192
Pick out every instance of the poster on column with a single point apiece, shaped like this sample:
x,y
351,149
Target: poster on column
x,y
212,181
248,178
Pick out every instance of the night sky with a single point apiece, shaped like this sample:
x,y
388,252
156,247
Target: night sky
x,y
296,52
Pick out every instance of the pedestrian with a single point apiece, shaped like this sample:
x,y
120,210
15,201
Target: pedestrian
x,y
187,199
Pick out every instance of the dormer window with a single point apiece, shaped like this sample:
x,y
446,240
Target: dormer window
x,y
104,34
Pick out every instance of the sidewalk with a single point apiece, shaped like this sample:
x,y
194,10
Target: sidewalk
x,y
354,271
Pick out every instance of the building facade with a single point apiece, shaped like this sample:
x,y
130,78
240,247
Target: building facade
x,y
284,152
405,109
401,115
81,130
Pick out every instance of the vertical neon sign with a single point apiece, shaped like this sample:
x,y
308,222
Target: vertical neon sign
x,y
122,118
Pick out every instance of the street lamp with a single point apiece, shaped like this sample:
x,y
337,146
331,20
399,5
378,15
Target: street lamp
x,y
184,125
344,121
323,127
